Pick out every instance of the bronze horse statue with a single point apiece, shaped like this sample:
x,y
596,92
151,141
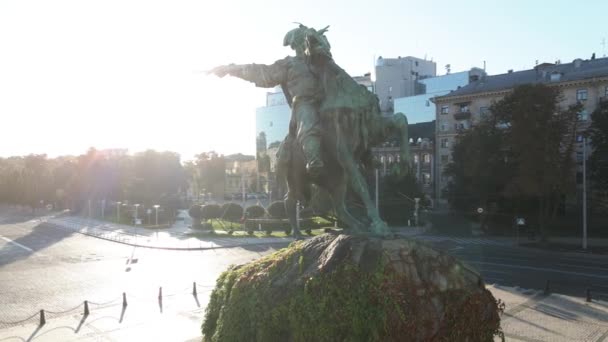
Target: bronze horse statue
x,y
351,123
336,119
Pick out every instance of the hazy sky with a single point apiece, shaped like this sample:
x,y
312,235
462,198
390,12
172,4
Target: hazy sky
x,y
126,74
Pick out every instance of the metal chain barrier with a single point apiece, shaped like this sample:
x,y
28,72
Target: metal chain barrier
x,y
190,291
10,323
117,299
64,311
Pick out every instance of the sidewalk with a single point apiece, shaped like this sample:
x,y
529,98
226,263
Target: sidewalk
x,y
529,316
532,316
179,236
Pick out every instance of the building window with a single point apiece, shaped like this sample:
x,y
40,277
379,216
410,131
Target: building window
x,y
581,94
444,143
390,89
555,76
583,115
390,159
445,109
445,159
443,127
416,159
464,108
606,91
426,178
427,158
416,62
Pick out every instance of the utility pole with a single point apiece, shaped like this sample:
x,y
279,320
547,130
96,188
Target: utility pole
x,y
584,192
243,187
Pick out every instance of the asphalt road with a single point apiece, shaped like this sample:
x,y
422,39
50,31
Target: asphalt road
x,y
567,273
42,267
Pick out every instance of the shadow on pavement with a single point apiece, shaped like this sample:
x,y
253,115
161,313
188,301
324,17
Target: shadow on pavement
x,y
41,236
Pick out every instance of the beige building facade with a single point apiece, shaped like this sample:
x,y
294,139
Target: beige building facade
x,y
584,81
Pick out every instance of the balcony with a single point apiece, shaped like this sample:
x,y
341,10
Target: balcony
x,y
462,115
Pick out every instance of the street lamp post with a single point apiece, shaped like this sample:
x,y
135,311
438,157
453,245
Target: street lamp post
x,y
584,192
156,206
103,207
136,206
135,225
416,207
118,211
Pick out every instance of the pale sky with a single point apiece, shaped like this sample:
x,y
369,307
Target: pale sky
x,y
126,74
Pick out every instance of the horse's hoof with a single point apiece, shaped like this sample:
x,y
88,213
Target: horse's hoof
x,y
380,228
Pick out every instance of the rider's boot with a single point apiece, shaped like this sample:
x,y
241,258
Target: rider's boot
x,y
312,153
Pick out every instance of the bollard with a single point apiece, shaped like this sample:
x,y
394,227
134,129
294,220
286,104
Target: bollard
x,y
124,300
547,291
588,295
194,289
86,307
42,319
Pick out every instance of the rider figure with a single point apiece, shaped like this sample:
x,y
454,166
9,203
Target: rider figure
x,y
297,76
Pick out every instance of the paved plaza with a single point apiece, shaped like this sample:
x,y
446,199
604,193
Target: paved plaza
x,y
56,267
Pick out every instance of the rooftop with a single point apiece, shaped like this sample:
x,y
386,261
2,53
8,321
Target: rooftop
x,y
543,73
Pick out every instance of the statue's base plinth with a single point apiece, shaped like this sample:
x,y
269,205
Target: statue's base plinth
x,y
352,288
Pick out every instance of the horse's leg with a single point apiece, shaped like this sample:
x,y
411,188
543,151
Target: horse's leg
x,y
338,196
290,209
359,185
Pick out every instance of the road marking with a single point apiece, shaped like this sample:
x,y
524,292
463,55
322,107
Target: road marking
x,y
539,269
589,267
16,243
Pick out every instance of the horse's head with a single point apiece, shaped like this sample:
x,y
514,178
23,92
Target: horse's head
x,y
309,42
316,44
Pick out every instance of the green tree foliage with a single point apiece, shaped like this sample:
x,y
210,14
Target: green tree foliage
x,y
255,211
211,212
147,178
520,157
479,169
397,197
206,172
232,212
598,161
276,210
196,212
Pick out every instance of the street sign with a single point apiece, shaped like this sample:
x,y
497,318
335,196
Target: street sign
x,y
138,221
149,211
479,210
520,221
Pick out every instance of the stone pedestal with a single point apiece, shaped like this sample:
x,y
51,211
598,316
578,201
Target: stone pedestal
x,y
352,288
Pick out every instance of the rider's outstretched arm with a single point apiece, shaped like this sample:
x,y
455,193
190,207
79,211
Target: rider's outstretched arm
x,y
264,76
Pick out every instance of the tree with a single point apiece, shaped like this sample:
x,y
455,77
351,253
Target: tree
x,y
519,158
397,197
207,172
480,167
598,161
540,138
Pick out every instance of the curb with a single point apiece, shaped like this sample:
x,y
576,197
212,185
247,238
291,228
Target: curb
x,y
168,247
